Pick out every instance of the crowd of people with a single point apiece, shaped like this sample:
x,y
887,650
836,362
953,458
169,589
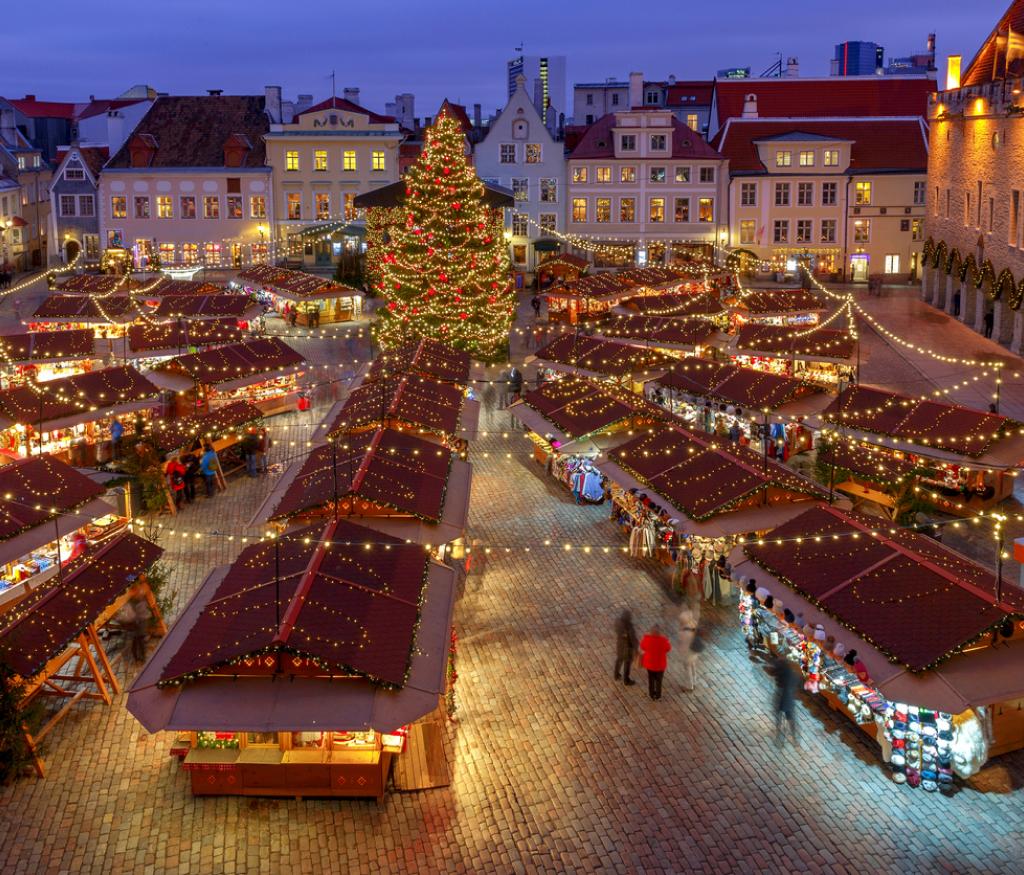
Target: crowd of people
x,y
184,471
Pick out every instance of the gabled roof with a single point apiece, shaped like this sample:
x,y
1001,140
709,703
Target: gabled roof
x,y
26,483
834,96
458,112
599,356
237,360
346,106
831,343
192,131
181,334
84,308
36,346
404,402
579,407
180,433
697,92
427,358
879,144
986,64
33,108
744,387
598,142
100,107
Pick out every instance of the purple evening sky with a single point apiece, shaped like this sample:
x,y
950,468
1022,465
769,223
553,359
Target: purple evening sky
x,y
453,48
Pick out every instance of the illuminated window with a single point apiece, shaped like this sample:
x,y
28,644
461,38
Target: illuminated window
x,y
167,253
142,207
781,231
211,207
917,229
323,205
163,207
682,174
211,253
806,159
291,160
657,174
627,174
549,191
320,160
294,205
627,209
782,194
579,174
259,251
603,174
190,253
805,194
377,158
258,206
828,230
706,208
681,212
548,223
520,225
783,159
656,211
521,189
579,209
603,209
350,205
747,230
235,210
349,160
862,231
533,155
831,157
804,230
188,206
862,193
748,194
692,121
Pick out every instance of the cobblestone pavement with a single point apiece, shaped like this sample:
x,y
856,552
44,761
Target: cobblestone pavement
x,y
555,768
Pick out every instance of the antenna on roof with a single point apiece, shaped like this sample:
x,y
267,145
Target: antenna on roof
x,y
775,70
519,48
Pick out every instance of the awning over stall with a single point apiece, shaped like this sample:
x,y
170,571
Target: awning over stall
x,y
116,309
37,347
225,366
425,358
607,357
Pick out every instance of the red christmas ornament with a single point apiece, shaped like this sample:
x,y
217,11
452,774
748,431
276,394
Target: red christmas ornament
x,y
408,192
447,170
443,277
481,226
491,299
463,315
391,305
430,250
456,206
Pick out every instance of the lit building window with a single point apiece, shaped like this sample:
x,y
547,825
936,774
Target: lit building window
x,y
323,206
211,207
163,207
707,209
656,213
862,193
783,159
319,160
579,209
627,209
294,205
603,209
349,160
188,206
807,159
378,160
291,160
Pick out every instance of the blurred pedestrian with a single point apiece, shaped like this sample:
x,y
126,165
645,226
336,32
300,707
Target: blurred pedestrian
x,y
262,448
690,645
784,703
654,649
208,467
250,447
535,303
175,473
625,647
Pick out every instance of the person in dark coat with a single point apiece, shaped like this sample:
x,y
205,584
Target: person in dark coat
x,y
626,644
784,703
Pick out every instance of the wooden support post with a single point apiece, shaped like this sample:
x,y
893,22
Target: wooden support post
x,y
103,661
86,653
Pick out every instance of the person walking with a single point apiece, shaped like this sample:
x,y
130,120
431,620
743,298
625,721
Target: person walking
x,y
625,647
990,319
784,703
262,448
250,447
515,385
654,649
116,433
191,463
535,303
689,645
208,467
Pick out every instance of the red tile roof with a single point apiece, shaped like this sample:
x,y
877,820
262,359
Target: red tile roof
x,y
832,97
50,618
878,144
24,483
680,93
94,157
101,107
33,108
350,609
914,600
982,67
408,402
237,360
597,141
347,106
458,112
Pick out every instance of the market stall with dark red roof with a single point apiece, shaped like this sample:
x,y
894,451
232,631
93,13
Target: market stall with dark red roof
x,y
198,307
222,427
598,293
820,355
599,358
425,358
158,339
312,299
46,355
107,316
667,335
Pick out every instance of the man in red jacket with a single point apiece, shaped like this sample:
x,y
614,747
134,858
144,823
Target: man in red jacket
x,y
654,648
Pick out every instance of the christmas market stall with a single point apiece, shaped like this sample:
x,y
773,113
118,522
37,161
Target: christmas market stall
x,y
223,427
50,514
153,342
593,357
818,355
560,267
597,294
922,648
50,639
265,372
46,355
71,417
194,308
673,337
316,665
425,407
313,299
106,317
423,358
793,307
963,460
684,498
737,404
385,479
699,303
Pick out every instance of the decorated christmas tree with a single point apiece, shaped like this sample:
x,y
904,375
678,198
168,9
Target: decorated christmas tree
x,y
440,260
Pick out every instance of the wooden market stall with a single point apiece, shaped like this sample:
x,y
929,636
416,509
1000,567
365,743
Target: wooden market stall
x,y
46,355
223,428
678,338
614,360
71,417
819,355
106,317
194,308
314,299
597,294
265,372
50,514
50,639
101,284
794,307
920,646
423,358
346,662
703,303
155,341
964,460
560,267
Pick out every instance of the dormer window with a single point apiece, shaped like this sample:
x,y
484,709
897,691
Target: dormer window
x,y
831,157
627,143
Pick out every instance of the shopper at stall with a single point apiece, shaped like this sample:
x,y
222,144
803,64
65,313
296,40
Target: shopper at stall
x,y
625,647
208,467
250,448
191,463
654,650
175,473
514,386
535,303
784,703
116,433
262,448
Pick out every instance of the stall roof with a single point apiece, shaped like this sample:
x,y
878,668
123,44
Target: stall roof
x,y
97,284
384,467
931,423
393,195
79,398
295,285
261,273
616,284
349,608
745,387
680,304
44,346
226,363
702,478
767,302
658,330
913,599
37,489
182,432
85,308
603,356
578,407
265,704
204,306
179,336
870,462
401,402
425,357
826,343
171,287
49,618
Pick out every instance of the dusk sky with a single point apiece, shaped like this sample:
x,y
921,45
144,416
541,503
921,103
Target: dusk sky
x,y
439,49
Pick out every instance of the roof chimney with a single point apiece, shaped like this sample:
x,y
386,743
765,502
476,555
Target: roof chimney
x,y
636,90
792,68
750,106
671,78
477,115
351,95
272,103
30,97
215,92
